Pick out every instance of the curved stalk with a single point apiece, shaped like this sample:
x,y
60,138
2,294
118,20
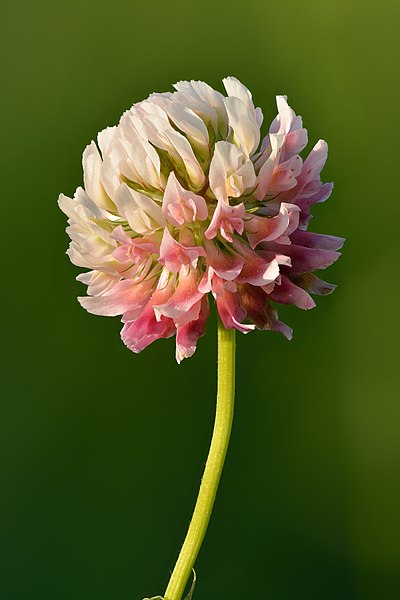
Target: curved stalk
x,y
213,469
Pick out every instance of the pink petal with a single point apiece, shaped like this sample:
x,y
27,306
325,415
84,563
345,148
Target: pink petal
x,y
138,334
259,272
165,286
309,189
306,201
315,162
187,335
173,254
295,142
291,126
142,329
182,206
123,297
314,194
185,296
272,150
226,220
307,259
134,248
226,265
317,240
289,293
259,310
284,176
205,285
263,229
257,269
230,308
313,284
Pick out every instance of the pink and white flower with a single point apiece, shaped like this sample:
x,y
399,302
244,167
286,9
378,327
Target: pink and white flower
x,y
182,201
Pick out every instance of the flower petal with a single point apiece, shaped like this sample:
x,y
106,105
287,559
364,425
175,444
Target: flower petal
x,y
306,259
122,297
246,130
142,213
263,229
139,334
188,334
260,312
173,254
185,296
317,240
291,126
236,89
231,173
286,292
313,284
227,265
230,307
181,206
226,220
92,169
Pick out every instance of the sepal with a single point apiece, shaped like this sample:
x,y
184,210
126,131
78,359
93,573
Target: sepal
x,y
188,597
191,591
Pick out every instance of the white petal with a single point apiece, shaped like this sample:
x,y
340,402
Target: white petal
x,y
231,173
162,135
246,131
267,169
105,139
80,207
235,88
200,91
141,162
98,282
187,121
92,166
142,213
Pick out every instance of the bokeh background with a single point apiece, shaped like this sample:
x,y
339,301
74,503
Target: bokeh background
x,y
101,450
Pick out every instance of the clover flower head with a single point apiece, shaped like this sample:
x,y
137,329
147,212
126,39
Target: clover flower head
x,y
183,201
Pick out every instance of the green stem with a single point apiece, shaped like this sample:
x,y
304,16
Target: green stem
x,y
215,462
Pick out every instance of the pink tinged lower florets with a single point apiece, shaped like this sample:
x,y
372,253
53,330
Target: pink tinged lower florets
x,y
226,220
187,335
278,228
286,292
229,305
134,249
182,304
182,203
124,296
139,334
225,262
174,255
142,329
182,206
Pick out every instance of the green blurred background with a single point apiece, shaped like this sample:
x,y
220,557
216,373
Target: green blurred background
x,y
101,450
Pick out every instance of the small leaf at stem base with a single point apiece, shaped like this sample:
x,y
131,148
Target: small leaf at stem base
x,y
188,597
191,591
